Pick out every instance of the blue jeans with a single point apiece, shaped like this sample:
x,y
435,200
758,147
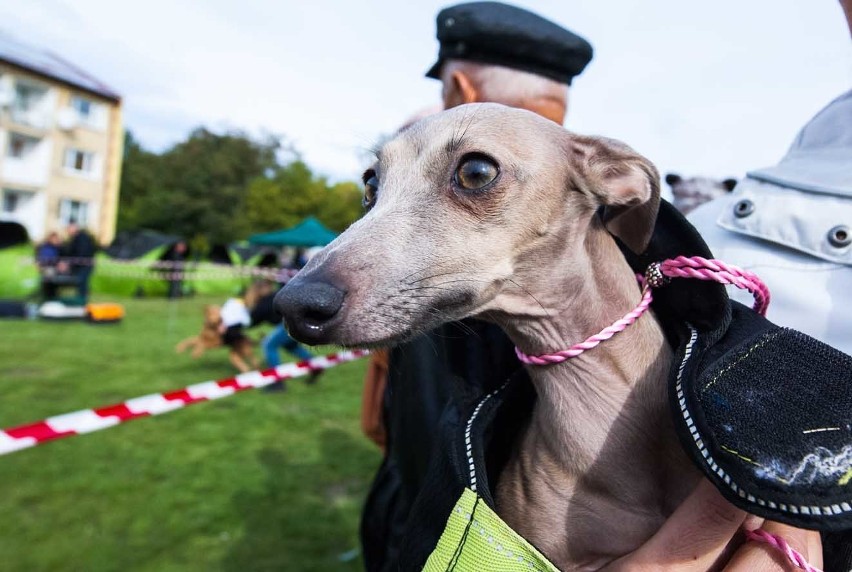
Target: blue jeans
x,y
82,274
278,338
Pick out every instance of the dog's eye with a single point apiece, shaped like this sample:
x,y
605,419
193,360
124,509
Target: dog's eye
x,y
371,189
476,172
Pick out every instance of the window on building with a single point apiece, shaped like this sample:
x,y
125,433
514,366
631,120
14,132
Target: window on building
x,y
10,201
27,96
20,146
73,211
88,113
83,107
14,200
28,105
80,161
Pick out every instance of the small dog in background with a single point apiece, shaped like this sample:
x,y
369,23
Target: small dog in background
x,y
208,338
224,327
689,194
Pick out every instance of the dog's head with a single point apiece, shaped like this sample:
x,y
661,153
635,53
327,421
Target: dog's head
x,y
212,316
464,208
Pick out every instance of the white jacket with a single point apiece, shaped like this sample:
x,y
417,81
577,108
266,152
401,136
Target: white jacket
x,y
792,225
235,313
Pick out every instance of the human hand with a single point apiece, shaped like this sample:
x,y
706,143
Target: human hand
x,y
705,533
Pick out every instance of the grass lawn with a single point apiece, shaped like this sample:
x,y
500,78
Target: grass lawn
x,y
254,481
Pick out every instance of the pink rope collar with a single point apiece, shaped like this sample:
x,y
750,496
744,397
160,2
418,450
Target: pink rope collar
x,y
657,275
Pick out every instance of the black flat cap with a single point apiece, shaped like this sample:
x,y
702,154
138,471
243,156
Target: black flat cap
x,y
500,34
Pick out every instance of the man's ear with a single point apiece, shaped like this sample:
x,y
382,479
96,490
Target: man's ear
x,y
625,184
464,87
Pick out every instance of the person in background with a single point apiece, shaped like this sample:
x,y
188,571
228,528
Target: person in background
x,y
235,318
299,259
373,398
792,225
262,312
175,271
80,249
47,258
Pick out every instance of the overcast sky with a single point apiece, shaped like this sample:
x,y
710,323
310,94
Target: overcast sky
x,y
701,88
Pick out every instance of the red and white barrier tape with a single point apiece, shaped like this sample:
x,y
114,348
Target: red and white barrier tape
x,y
192,275
170,270
90,420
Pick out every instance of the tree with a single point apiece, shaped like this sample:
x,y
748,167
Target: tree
x,y
293,192
222,188
343,205
138,179
206,178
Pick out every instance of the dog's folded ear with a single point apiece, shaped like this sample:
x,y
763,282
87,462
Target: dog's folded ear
x,y
626,184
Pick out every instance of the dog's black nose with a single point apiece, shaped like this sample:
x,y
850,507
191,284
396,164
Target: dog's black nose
x,y
309,309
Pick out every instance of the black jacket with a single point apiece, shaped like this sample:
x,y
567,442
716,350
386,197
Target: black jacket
x,y
81,246
264,312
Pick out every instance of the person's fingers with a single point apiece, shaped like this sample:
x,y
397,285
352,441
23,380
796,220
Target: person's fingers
x,y
692,539
815,549
761,557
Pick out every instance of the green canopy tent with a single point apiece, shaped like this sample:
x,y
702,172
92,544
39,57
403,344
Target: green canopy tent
x,y
18,277
135,263
309,232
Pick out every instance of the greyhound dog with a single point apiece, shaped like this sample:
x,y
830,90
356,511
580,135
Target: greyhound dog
x,y
494,212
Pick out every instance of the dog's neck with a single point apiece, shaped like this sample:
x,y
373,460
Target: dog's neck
x,y
581,398
598,459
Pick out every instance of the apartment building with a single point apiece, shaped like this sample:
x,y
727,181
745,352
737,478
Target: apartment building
x,y
61,143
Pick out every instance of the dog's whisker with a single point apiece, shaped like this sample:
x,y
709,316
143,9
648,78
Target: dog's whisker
x,y
426,288
410,296
433,276
530,294
460,280
442,267
425,268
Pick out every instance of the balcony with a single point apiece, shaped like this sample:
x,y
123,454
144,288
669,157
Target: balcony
x,y
33,118
32,105
26,208
26,161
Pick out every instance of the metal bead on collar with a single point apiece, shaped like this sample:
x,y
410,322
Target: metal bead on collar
x,y
654,276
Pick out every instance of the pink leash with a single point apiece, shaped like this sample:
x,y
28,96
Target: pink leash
x,y
781,545
657,275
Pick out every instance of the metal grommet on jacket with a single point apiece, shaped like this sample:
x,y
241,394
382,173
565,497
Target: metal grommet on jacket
x,y
839,236
743,208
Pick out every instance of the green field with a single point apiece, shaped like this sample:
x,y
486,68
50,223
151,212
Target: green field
x,y
254,481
